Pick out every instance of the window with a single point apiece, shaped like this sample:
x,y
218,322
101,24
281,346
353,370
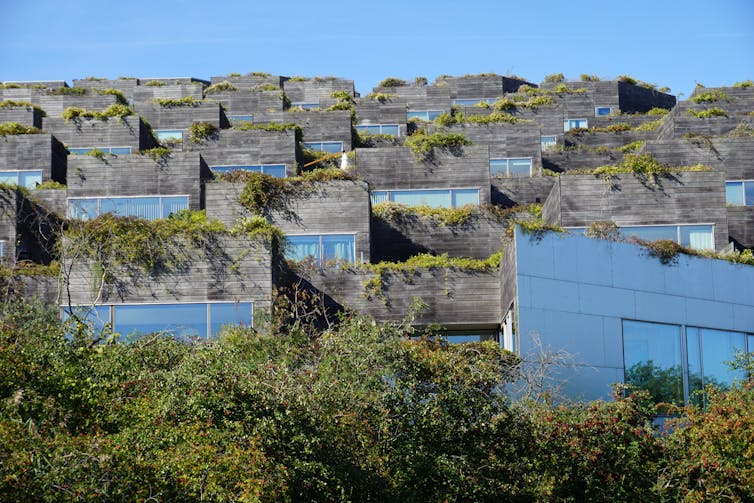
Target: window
x,y
602,111
509,333
548,142
330,147
698,237
470,102
675,363
424,115
569,124
435,198
234,119
306,106
168,135
21,177
2,248
322,248
148,207
740,193
276,170
184,320
106,150
511,166
389,129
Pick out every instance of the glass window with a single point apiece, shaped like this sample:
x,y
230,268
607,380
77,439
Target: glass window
x,y
603,111
379,196
229,313
301,247
79,151
463,338
148,207
749,193
511,167
470,102
424,115
96,317
227,169
708,353
181,320
569,124
651,232
330,147
322,248
23,178
276,170
652,358
9,177
548,142
119,150
169,135
306,106
83,209
698,237
338,248
174,204
2,250
431,198
462,197
241,118
389,129
734,194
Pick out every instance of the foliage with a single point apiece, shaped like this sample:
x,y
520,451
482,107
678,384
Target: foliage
x,y
423,144
649,126
221,86
265,87
114,110
67,91
449,217
200,131
22,104
604,230
710,96
708,113
50,184
494,117
186,101
585,77
565,89
96,153
612,128
658,111
420,81
506,103
272,126
742,130
745,83
14,128
634,146
392,82
157,154
155,83
535,227
554,78
627,79
119,96
381,97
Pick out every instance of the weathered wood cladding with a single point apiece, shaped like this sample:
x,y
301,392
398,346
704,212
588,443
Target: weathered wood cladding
x,y
316,89
183,116
231,269
145,93
731,155
513,191
181,173
54,105
551,212
126,86
678,198
333,125
549,118
35,151
639,99
392,111
741,225
128,131
605,140
388,168
254,146
455,299
250,80
52,200
480,86
245,102
420,98
8,220
334,207
399,238
26,115
580,158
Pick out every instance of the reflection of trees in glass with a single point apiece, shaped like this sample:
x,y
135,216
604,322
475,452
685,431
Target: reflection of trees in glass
x,y
663,384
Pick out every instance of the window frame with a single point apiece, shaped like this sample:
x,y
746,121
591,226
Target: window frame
x,y
450,191
489,101
155,133
322,142
100,198
234,119
597,109
582,229
305,105
427,112
319,259
18,172
567,127
508,166
550,145
397,126
106,149
239,167
742,183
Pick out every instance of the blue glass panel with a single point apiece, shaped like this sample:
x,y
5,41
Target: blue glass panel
x,y
499,167
83,209
718,348
417,114
603,110
391,129
9,177
432,198
698,237
379,196
749,193
144,207
276,170
29,179
168,134
460,339
114,205
241,118
120,150
519,167
228,169
96,317
174,204
462,197
433,114
338,248
548,142
229,313
468,102
79,151
694,362
371,129
652,233
332,147
301,247
734,193
652,358
306,106
182,320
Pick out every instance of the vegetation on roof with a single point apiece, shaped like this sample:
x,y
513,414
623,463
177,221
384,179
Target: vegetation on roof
x,y
114,110
381,97
201,131
658,111
119,96
271,126
186,101
707,113
423,145
392,82
710,96
14,128
554,78
585,77
745,83
157,154
639,164
448,217
155,83
511,103
67,91
222,86
22,104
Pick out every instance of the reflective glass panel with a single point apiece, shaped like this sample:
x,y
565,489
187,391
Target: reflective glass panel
x,y
174,204
652,358
432,198
652,233
29,179
548,142
462,197
519,167
79,151
181,320
114,205
460,339
698,237
603,110
228,169
368,129
120,150
499,167
718,348
391,129
241,118
332,147
338,248
168,134
83,209
417,114
9,177
379,196
301,247
96,317
749,193
734,193
143,207
276,170
229,313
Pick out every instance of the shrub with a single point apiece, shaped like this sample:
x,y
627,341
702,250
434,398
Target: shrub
x,y
710,96
14,128
119,96
200,131
589,78
745,83
222,86
67,91
114,110
423,144
627,79
392,82
554,78
604,230
381,97
708,113
658,111
155,83
187,101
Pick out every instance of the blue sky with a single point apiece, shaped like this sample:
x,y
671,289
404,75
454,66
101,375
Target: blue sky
x,y
673,44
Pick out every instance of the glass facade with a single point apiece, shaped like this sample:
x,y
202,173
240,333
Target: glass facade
x,y
21,177
106,150
147,207
740,193
470,102
388,129
330,147
602,111
168,135
324,249
511,166
276,170
548,142
569,124
305,106
434,198
182,320
424,115
698,237
676,363
234,119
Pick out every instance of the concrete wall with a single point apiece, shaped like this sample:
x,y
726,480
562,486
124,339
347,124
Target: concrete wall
x,y
574,291
398,168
